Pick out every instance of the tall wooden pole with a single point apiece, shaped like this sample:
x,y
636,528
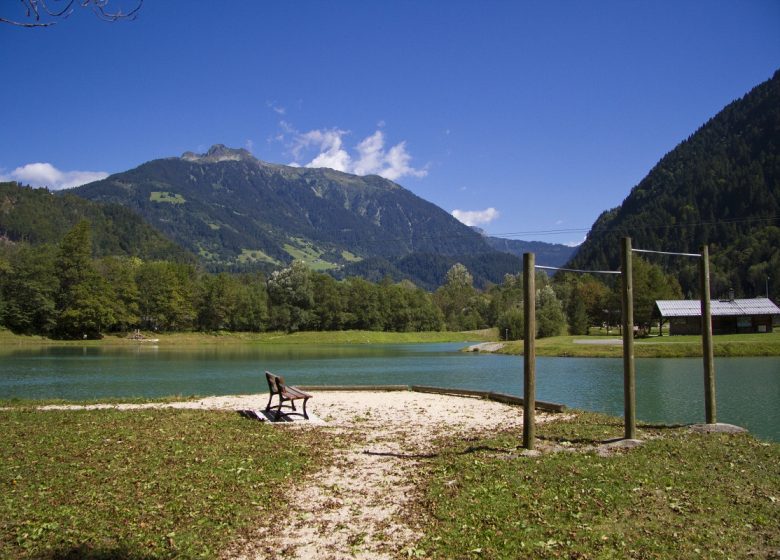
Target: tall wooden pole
x,y
529,352
629,372
706,339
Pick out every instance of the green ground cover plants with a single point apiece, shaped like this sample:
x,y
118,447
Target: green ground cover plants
x,y
8,339
653,347
140,484
736,345
22,403
680,495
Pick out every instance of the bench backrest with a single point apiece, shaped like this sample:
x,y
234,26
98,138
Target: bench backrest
x,y
275,383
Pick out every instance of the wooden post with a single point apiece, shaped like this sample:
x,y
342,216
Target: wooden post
x,y
706,339
529,352
629,372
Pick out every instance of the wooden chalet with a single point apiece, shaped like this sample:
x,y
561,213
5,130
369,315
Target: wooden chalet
x,y
731,316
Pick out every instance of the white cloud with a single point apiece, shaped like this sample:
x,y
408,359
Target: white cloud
x,y
369,157
276,108
576,243
398,164
331,151
249,145
476,217
46,175
370,154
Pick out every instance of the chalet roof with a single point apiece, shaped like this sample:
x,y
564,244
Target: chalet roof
x,y
718,308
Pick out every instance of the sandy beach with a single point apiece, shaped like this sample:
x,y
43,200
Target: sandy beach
x,y
356,506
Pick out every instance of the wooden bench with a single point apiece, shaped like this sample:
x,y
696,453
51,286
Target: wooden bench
x,y
277,386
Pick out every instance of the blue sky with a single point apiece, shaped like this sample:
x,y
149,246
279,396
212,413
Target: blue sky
x,y
533,116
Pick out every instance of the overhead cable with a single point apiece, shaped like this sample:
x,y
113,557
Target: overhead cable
x,y
628,229
577,270
666,253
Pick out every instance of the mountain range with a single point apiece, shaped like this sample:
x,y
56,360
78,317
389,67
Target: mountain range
x,y
232,211
236,212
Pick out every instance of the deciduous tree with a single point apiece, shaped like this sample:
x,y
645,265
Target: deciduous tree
x,y
550,320
291,297
165,296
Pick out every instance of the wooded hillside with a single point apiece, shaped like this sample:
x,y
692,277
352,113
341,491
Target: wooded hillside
x,y
38,216
721,186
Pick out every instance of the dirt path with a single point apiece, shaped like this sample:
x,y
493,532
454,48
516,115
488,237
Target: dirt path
x,y
357,508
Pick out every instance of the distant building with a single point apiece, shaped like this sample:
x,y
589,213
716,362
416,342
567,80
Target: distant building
x,y
732,316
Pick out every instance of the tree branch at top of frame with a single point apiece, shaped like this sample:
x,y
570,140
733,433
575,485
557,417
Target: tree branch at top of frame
x,y
46,13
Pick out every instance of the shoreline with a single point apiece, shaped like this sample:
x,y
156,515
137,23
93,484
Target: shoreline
x,y
580,346
186,339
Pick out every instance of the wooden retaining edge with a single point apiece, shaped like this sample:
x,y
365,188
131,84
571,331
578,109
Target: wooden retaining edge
x,y
490,395
448,391
353,387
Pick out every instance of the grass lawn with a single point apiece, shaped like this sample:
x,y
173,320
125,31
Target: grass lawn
x,y
9,339
597,346
653,347
141,484
155,484
680,495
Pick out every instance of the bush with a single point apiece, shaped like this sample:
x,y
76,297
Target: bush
x,y
511,324
550,320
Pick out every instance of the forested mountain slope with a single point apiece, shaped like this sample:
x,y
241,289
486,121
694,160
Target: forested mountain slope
x,y
232,209
38,216
720,187
239,213
548,254
428,270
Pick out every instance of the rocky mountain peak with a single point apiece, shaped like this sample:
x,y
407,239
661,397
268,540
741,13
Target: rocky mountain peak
x,y
219,152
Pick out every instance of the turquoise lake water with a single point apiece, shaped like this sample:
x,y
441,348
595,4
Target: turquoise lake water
x,y
668,390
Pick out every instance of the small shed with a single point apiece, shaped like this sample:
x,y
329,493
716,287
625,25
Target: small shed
x,y
731,316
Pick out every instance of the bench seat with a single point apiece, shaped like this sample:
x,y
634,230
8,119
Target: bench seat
x,y
285,393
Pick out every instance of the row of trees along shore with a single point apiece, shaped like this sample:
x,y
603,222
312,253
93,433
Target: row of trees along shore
x,y
63,291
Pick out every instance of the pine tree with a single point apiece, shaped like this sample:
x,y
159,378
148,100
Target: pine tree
x,y
84,298
29,288
578,318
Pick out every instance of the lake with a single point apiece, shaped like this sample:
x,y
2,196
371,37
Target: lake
x,y
668,390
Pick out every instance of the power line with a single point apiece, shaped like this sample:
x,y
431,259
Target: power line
x,y
577,270
415,238
540,232
666,253
632,228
